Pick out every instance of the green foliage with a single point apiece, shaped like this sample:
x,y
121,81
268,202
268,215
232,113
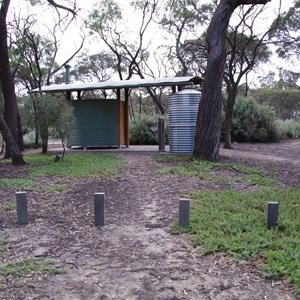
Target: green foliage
x,y
29,140
287,31
77,165
28,267
104,16
21,183
100,66
143,130
288,128
235,223
253,122
285,102
42,112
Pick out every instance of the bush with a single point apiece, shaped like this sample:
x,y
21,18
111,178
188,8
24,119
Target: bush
x,y
29,140
253,122
288,128
285,102
143,131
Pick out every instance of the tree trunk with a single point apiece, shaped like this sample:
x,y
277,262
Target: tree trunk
x,y
20,132
45,147
232,92
45,141
36,138
207,139
7,83
17,157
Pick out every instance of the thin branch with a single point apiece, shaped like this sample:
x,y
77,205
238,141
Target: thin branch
x,y
68,9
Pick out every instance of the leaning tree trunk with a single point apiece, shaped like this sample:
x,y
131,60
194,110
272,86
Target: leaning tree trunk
x,y
17,157
7,82
207,138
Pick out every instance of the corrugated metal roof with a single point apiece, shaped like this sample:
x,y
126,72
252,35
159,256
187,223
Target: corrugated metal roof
x,y
120,84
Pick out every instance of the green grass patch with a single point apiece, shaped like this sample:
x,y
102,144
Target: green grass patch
x,y
172,158
202,169
8,206
55,187
236,224
29,267
75,165
21,183
190,169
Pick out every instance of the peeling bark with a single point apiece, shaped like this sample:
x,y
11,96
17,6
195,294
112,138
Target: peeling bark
x,y
207,138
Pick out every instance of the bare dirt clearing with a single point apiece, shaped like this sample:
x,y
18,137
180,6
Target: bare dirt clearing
x,y
134,256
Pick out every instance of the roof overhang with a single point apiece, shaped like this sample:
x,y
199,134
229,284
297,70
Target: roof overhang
x,y
120,84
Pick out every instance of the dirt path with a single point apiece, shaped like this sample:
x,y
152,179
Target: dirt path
x,y
134,256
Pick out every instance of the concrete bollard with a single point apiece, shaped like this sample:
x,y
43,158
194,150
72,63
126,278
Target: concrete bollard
x,y
272,214
22,211
184,212
161,135
99,201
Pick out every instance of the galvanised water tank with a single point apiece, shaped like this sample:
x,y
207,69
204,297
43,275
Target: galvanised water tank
x,y
183,110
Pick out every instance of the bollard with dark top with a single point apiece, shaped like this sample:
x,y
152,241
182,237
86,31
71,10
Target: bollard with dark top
x,y
184,212
99,209
272,215
161,134
22,211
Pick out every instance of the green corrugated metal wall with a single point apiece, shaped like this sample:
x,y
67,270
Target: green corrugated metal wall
x,y
95,124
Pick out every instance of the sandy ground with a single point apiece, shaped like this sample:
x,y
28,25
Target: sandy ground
x,y
134,256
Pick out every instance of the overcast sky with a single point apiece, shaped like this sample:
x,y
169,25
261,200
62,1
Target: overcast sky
x,y
72,37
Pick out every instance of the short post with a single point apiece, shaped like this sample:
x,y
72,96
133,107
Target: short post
x,y
184,212
99,200
22,211
272,214
161,134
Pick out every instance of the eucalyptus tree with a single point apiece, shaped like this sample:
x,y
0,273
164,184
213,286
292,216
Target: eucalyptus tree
x,y
286,36
284,101
100,66
34,58
207,139
186,22
9,121
286,33
34,54
245,50
129,48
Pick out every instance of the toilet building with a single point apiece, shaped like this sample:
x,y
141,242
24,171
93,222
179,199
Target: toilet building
x,y
105,122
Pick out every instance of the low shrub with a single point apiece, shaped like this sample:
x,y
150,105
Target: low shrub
x,y
29,140
144,130
253,122
288,128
